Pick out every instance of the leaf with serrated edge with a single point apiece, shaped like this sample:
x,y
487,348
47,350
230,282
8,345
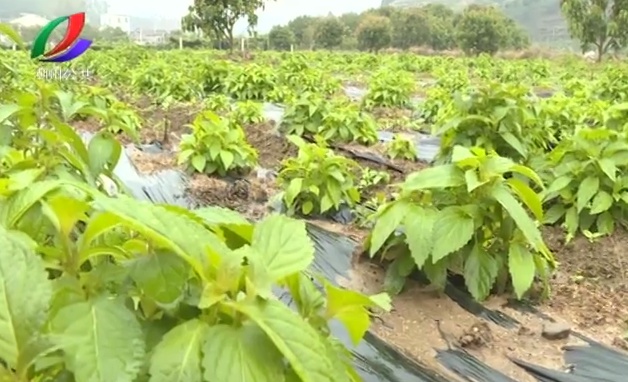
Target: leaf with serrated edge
x,y
521,267
101,339
168,228
241,354
25,295
480,272
161,276
601,202
283,245
452,230
177,357
588,188
419,226
349,307
299,343
386,224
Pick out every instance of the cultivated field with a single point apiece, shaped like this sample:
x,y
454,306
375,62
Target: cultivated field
x,y
507,178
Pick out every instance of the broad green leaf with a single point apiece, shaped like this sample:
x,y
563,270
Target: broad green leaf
x,y
296,339
168,228
522,220
588,188
419,227
387,222
104,152
18,204
605,223
608,166
241,354
101,339
161,276
554,214
283,245
473,180
571,221
601,202
177,357
25,295
226,219
527,196
349,307
528,173
98,224
480,272
444,176
521,267
558,184
64,212
453,228
198,162
7,111
515,143
227,159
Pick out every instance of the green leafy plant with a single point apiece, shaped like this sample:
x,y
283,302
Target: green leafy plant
x,y
389,89
468,218
247,112
372,178
216,145
401,148
218,103
251,82
589,191
317,181
493,116
204,299
335,121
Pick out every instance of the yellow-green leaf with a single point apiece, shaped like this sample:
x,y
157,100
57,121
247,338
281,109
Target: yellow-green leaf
x,y
177,357
241,354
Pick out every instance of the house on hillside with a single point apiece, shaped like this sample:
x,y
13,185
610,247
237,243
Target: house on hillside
x,y
113,21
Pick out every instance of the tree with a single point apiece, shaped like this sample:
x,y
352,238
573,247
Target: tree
x,y
516,37
441,21
281,38
374,33
350,21
481,29
411,28
303,29
329,32
601,23
218,17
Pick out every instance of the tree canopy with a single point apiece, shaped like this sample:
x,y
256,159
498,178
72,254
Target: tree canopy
x,y
217,18
602,24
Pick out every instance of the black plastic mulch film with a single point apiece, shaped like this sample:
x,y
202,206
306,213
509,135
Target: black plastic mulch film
x,y
374,359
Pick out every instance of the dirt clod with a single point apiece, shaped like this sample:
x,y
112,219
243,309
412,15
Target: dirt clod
x,y
478,335
555,331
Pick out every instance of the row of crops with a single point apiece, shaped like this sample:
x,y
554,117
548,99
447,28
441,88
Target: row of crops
x,y
119,289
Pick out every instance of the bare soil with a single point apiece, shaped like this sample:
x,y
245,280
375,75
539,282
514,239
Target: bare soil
x,y
589,294
590,287
424,320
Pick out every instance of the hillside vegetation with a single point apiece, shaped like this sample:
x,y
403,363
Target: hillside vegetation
x,y
541,19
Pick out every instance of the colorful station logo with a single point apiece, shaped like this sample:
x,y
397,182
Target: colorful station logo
x,y
69,48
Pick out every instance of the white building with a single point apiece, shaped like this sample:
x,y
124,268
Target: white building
x,y
116,21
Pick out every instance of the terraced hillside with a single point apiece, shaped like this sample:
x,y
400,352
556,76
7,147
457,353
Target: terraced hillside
x,y
541,18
